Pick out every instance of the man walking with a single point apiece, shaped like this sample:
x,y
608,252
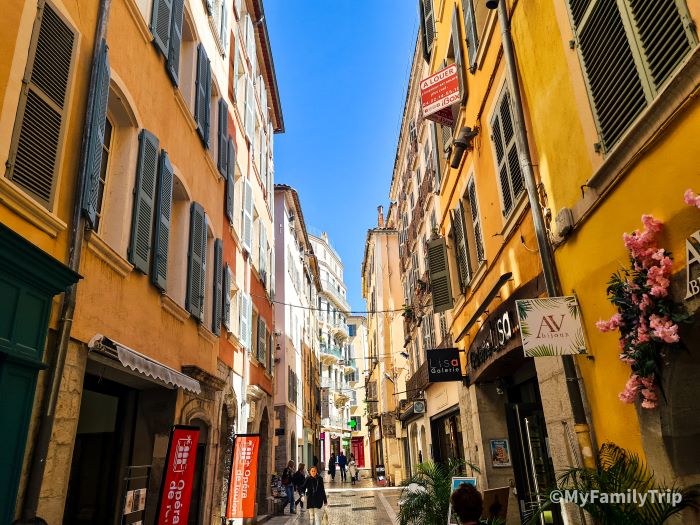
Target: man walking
x,y
343,462
331,466
288,485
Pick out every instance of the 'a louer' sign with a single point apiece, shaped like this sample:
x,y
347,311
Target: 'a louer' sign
x,y
438,93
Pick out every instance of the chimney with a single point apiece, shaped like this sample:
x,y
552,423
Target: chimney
x,y
380,216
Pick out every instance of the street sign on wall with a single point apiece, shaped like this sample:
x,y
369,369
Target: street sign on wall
x,y
444,365
176,488
551,326
244,476
438,93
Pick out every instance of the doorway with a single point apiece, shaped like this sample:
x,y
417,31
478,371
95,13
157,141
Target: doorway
x,y
532,465
198,485
100,452
358,450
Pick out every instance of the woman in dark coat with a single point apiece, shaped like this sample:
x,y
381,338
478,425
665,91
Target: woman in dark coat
x,y
315,496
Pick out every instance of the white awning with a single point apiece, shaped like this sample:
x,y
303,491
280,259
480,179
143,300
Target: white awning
x,y
143,364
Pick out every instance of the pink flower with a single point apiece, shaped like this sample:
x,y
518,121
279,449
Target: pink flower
x,y
627,359
648,404
647,382
651,224
629,394
650,394
664,329
612,324
691,198
645,303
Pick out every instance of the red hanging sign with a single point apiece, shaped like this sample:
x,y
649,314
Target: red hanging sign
x,y
176,489
244,475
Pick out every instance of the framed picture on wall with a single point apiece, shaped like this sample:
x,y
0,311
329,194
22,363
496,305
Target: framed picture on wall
x,y
500,453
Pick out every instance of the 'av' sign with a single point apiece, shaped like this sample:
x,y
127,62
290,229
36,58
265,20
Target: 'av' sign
x,y
551,326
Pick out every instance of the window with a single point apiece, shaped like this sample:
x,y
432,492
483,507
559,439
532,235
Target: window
x,y
41,114
472,36
628,50
473,205
508,165
179,239
427,26
103,171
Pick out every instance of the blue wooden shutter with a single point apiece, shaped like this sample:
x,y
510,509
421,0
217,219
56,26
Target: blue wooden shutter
x,y
196,260
218,287
222,137
172,64
457,49
472,34
159,271
228,277
202,94
230,177
160,24
91,189
144,202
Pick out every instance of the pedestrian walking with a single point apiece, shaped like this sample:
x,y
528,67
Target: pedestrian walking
x,y
343,463
352,469
331,466
298,480
315,496
287,474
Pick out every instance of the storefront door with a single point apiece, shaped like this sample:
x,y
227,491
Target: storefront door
x,y
358,450
447,438
532,465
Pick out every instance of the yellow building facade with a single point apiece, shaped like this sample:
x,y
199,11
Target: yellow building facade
x,y
611,137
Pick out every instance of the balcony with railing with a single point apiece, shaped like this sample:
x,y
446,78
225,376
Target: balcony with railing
x,y
333,292
418,382
330,354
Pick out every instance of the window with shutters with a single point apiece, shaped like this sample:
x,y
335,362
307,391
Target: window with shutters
x,y
510,176
220,15
472,37
455,55
179,242
461,246
474,219
426,11
40,123
104,168
628,50
210,272
439,271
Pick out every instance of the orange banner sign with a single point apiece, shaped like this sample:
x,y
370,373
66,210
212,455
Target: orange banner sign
x,y
244,475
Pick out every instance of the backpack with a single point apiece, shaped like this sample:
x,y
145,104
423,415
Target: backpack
x,y
286,478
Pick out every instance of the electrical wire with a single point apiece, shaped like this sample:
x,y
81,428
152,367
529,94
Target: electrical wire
x,y
313,308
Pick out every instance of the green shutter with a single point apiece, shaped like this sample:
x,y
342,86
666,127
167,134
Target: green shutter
x,y
222,137
509,172
160,24
196,259
436,157
438,267
457,50
172,64
476,222
202,94
218,287
159,271
230,177
459,233
228,278
472,34
144,202
261,340
41,112
93,165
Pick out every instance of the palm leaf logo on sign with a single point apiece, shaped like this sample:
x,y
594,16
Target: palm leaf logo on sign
x,y
551,326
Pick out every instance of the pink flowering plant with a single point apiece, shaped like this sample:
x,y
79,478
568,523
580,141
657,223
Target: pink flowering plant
x,y
647,318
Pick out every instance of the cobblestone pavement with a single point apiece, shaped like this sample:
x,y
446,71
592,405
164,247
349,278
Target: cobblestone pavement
x,y
364,504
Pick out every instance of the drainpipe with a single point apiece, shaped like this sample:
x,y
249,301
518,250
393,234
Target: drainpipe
x,y
77,233
548,267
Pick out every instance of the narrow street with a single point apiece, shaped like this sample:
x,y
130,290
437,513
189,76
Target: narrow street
x,y
364,504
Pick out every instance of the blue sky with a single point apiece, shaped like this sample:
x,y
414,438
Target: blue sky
x,y
342,69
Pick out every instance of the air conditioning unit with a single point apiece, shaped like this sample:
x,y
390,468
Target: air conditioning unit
x,y
419,407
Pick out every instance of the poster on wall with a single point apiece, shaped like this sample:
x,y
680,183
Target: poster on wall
x,y
244,476
500,453
178,473
457,481
551,326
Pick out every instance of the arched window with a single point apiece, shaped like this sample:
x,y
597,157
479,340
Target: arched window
x,y
118,171
178,241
